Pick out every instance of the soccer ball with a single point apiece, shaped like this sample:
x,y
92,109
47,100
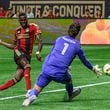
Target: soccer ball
x,y
106,69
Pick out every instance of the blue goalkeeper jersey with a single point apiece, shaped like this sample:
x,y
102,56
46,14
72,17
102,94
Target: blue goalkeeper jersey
x,y
62,54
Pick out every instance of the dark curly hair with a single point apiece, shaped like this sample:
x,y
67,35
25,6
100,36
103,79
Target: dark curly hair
x,y
74,29
22,14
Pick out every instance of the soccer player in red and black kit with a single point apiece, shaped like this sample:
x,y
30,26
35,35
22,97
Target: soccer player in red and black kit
x,y
24,38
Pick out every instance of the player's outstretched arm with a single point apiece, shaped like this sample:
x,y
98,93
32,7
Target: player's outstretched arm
x,y
7,45
86,62
40,45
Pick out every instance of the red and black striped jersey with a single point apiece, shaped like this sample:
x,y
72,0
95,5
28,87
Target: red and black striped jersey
x,y
24,38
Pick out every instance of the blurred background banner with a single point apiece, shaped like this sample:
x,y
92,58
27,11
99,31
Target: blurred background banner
x,y
54,17
92,31
60,8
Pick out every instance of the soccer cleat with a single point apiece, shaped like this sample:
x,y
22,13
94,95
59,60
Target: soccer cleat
x,y
76,92
29,100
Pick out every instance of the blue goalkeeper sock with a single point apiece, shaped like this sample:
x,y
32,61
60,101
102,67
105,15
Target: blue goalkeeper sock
x,y
34,92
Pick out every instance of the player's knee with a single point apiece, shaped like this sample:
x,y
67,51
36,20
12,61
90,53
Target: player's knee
x,y
24,63
27,69
16,79
27,66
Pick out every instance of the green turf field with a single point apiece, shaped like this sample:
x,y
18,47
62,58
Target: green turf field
x,y
91,98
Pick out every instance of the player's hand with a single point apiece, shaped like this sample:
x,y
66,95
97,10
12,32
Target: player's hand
x,y
97,70
38,56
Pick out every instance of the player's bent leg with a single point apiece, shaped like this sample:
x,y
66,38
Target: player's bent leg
x,y
13,81
23,60
69,88
24,63
72,93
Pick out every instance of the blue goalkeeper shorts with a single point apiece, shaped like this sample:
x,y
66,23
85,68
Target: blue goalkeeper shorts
x,y
44,79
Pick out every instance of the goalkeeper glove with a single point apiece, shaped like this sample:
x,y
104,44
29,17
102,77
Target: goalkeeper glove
x,y
97,70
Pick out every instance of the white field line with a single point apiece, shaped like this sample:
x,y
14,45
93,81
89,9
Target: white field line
x,y
57,90
75,59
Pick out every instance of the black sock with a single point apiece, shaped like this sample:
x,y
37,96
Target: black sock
x,y
69,88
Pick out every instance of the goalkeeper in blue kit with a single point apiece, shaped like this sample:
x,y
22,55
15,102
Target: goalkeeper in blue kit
x,y
56,64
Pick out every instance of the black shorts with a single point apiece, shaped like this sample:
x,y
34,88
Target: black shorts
x,y
21,58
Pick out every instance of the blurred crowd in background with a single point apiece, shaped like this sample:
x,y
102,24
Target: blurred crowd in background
x,y
9,13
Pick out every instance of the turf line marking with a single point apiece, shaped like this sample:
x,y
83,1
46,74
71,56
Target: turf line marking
x,y
75,59
57,90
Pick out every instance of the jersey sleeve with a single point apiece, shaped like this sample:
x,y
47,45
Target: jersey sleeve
x,y
84,60
37,30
